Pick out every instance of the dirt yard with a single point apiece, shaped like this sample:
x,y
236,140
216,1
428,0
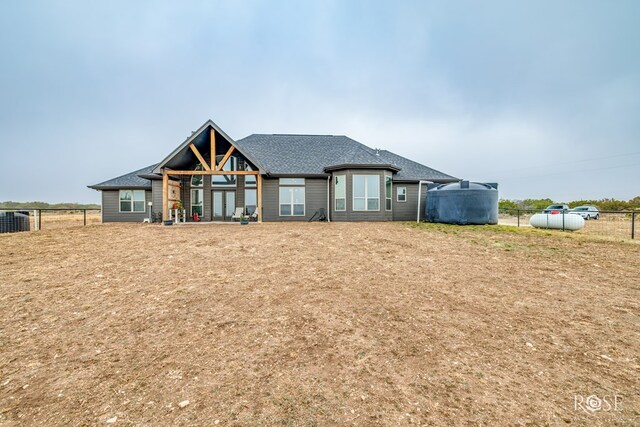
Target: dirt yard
x,y
318,324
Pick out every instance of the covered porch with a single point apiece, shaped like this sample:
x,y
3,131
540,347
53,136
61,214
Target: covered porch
x,y
210,179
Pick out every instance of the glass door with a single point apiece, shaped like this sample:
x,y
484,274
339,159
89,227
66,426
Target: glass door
x,y
224,205
230,204
218,205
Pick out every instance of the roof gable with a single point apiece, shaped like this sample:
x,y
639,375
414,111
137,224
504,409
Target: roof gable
x,y
199,138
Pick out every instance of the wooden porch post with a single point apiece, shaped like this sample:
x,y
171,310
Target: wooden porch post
x,y
259,179
165,196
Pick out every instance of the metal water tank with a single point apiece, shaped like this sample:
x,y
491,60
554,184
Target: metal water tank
x,y
462,203
10,222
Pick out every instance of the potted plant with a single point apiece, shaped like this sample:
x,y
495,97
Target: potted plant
x,y
244,220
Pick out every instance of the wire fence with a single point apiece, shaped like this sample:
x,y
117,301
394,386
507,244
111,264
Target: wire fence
x,y
56,218
614,224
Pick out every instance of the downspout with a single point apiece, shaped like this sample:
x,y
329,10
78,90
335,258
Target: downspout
x,y
328,198
420,196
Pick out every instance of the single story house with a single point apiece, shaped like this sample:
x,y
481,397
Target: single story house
x,y
281,177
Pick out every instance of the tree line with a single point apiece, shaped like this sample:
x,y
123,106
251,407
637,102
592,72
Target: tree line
x,y
44,205
602,204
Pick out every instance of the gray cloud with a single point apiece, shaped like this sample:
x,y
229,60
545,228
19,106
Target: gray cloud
x,y
540,97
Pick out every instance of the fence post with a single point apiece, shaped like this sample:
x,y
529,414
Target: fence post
x,y
39,219
633,224
518,213
85,216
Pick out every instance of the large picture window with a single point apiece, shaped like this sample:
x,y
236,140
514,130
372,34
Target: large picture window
x,y
132,201
340,193
250,200
250,180
366,192
196,180
292,197
231,165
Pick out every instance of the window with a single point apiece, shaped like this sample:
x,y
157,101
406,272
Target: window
x,y
387,192
292,197
249,180
231,165
291,181
196,180
132,201
402,194
366,192
196,201
340,193
250,200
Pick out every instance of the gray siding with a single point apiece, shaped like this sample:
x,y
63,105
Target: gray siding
x,y
315,196
207,198
407,211
156,196
349,214
185,194
111,208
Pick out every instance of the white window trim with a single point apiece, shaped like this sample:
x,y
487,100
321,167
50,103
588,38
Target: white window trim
x,y
245,197
201,200
335,195
398,195
366,194
291,184
304,204
144,192
390,198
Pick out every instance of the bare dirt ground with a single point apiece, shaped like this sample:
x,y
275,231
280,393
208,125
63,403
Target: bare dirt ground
x,y
317,324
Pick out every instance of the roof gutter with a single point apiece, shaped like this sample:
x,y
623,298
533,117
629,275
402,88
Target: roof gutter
x,y
329,198
361,166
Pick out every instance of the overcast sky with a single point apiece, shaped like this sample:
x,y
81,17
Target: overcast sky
x,y
542,97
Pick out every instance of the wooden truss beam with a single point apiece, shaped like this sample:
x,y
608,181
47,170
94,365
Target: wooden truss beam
x,y
204,164
165,196
259,207
226,157
213,149
210,172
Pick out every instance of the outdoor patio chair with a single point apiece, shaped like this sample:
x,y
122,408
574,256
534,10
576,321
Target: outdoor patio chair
x,y
238,214
254,215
